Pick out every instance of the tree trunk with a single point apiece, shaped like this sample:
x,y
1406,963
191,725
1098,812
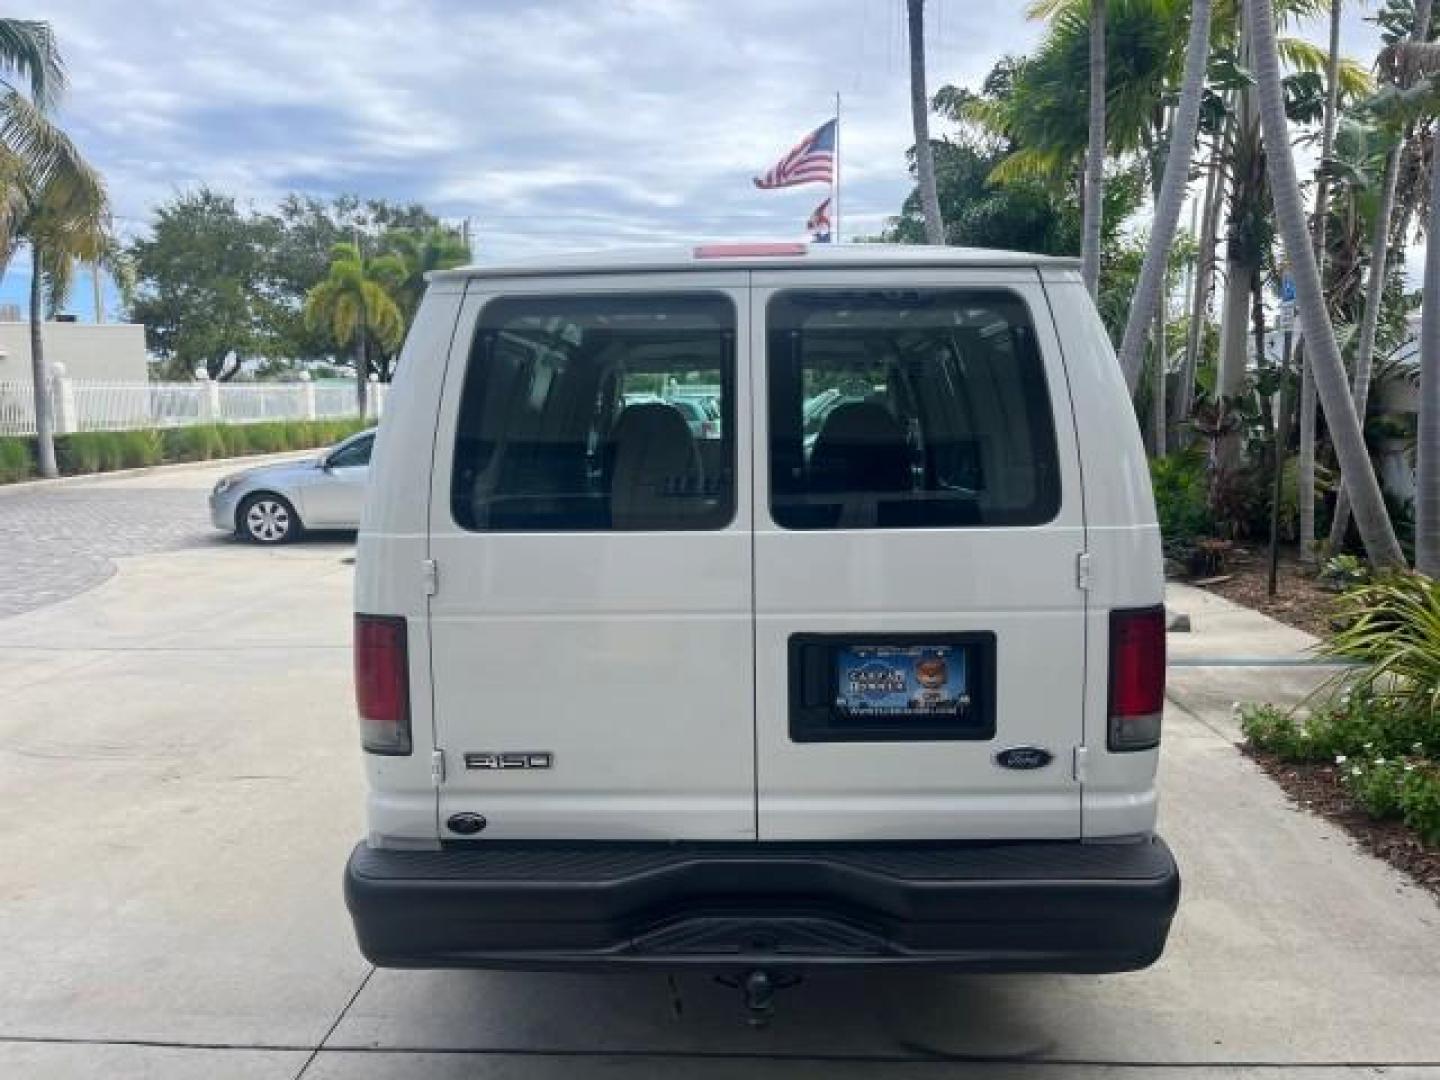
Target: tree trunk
x,y
362,369
1375,528
1369,321
40,375
1231,376
920,119
1375,287
1170,198
1230,379
1427,470
1094,186
1204,280
1158,434
1305,480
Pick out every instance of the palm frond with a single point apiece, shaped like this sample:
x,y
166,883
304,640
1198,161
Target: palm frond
x,y
28,49
1301,55
1407,62
1028,163
57,270
1044,10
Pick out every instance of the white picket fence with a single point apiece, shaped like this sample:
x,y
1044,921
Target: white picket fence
x,y
110,406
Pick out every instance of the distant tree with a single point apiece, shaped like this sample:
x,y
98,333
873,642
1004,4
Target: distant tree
x,y
202,290
307,230
355,305
219,283
422,251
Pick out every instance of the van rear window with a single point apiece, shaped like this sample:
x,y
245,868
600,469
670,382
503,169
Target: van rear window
x,y
598,413
908,409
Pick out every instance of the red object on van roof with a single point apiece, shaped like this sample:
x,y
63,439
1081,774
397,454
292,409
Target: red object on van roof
x,y
733,251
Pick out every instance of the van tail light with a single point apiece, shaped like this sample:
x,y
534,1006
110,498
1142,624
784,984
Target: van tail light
x,y
382,683
1137,678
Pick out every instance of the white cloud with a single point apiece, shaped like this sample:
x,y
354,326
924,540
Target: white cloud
x,y
559,124
555,124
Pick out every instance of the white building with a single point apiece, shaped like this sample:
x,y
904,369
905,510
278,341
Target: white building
x,y
104,352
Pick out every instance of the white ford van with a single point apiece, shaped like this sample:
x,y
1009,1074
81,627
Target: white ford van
x,y
868,670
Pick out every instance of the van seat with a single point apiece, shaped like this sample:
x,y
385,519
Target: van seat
x,y
654,460
861,447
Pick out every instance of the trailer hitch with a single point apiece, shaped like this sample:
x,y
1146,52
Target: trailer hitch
x,y
759,988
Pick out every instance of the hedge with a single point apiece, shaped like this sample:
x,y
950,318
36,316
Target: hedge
x,y
105,451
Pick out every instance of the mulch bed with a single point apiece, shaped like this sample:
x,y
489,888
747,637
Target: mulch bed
x,y
1317,788
1300,601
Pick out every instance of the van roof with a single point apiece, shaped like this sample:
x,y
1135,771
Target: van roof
x,y
755,256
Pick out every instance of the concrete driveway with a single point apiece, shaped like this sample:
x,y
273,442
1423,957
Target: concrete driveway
x,y
180,782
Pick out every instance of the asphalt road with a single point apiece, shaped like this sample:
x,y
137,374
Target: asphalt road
x,y
181,783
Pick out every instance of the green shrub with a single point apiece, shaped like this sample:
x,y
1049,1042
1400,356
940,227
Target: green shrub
x,y
1407,788
1391,627
1420,801
1277,731
1375,784
16,460
103,451
200,442
1343,572
269,438
1182,498
82,452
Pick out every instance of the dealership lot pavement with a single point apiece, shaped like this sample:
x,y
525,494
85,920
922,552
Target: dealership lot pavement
x,y
181,784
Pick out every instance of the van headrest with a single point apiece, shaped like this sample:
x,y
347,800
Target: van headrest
x,y
861,447
656,472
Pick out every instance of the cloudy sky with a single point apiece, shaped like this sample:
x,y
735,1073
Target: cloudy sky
x,y
550,124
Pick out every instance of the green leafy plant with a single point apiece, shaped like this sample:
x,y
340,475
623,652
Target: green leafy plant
x,y
1181,499
1391,627
1407,788
16,460
1342,572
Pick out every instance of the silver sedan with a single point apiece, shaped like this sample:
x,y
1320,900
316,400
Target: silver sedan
x,y
275,503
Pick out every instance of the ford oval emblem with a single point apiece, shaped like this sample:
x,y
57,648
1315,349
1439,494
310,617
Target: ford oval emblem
x,y
1024,757
466,823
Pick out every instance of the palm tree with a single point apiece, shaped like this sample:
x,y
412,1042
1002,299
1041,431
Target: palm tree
x,y
422,251
1427,470
1375,284
1094,195
1415,61
920,119
49,198
1305,481
1370,515
63,215
354,304
1210,207
1167,212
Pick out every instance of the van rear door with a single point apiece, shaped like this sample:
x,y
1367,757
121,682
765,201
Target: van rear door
x,y
920,629
592,627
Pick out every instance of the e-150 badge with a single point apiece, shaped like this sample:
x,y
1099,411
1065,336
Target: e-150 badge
x,y
901,681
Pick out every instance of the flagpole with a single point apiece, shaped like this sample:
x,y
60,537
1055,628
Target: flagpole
x,y
835,180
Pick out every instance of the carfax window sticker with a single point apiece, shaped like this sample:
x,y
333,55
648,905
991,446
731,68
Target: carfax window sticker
x,y
901,682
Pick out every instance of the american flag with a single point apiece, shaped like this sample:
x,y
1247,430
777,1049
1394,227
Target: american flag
x,y
819,223
811,162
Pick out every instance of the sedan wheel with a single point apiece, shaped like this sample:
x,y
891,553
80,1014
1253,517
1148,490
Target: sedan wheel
x,y
268,519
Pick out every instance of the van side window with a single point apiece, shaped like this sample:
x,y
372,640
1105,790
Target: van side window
x,y
908,409
598,413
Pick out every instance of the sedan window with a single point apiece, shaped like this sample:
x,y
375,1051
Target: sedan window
x,y
353,454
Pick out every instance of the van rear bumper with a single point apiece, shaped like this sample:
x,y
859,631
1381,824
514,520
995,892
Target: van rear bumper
x,y
1018,906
